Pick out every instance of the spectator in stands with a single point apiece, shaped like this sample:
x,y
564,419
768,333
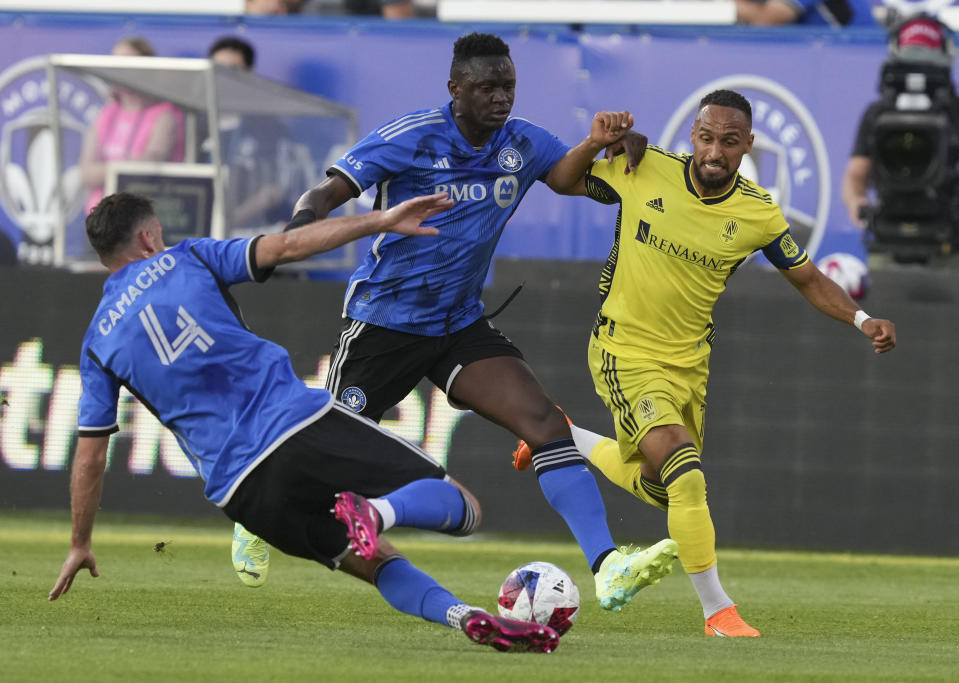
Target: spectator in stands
x,y
388,9
266,7
132,127
835,13
251,147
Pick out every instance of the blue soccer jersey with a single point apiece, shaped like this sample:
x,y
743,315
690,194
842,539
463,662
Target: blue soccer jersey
x,y
168,331
432,285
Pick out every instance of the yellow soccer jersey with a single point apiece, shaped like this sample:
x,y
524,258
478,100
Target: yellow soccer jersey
x,y
674,251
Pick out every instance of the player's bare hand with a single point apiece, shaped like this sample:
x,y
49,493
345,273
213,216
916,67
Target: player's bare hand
x,y
632,144
609,127
77,559
406,218
855,212
882,332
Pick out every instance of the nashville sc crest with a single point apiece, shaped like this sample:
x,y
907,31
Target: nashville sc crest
x,y
788,158
28,191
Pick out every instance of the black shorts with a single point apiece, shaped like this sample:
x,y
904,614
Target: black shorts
x,y
287,498
373,368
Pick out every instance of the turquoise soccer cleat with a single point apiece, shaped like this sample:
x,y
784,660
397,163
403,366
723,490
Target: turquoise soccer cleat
x,y
251,557
624,573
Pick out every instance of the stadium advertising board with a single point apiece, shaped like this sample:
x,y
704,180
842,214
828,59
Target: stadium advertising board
x,y
805,431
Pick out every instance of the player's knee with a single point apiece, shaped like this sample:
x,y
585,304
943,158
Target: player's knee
x,y
542,425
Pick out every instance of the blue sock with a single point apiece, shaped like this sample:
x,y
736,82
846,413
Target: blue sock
x,y
428,504
571,490
412,591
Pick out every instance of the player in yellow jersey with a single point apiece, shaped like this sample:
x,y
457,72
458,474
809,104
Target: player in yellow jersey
x,y
686,222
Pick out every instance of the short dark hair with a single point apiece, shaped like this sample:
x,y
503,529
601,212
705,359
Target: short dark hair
x,y
237,45
140,44
476,45
729,98
113,220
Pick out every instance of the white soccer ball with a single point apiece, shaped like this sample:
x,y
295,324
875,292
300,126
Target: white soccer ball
x,y
540,592
847,271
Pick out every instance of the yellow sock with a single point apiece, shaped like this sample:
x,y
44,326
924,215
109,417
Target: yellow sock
x,y
606,456
653,493
688,517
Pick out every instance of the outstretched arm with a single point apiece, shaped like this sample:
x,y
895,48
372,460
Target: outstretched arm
x,y
833,300
608,127
86,484
323,235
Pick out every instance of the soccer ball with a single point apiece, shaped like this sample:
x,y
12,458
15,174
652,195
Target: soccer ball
x,y
540,592
847,271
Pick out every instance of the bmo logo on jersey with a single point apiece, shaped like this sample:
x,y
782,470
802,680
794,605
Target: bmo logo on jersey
x,y
464,192
505,190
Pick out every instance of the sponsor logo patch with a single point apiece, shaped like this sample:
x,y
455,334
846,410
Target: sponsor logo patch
x,y
505,190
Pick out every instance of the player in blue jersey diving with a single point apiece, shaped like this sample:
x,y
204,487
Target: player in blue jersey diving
x,y
413,307
288,462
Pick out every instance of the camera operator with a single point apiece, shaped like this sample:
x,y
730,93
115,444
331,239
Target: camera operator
x,y
917,80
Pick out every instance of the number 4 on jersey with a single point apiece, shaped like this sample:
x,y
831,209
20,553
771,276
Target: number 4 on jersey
x,y
191,333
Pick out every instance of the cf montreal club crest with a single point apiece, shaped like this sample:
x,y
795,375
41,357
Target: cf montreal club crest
x,y
354,399
28,191
788,157
510,160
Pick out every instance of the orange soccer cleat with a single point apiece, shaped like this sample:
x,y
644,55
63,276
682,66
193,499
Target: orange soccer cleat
x,y
523,455
727,623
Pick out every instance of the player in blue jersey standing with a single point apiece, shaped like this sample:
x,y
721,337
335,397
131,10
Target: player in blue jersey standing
x,y
413,307
276,455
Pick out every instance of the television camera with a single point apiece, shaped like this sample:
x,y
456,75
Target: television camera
x,y
915,146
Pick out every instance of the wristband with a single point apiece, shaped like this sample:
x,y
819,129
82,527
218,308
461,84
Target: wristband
x,y
302,217
860,318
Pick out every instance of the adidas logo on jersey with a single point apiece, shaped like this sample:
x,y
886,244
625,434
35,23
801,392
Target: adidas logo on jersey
x,y
656,204
442,163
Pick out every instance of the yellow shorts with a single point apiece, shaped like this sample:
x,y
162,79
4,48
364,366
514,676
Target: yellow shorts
x,y
644,394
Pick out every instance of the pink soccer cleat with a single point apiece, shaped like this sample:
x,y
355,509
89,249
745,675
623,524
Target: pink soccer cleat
x,y
508,635
362,522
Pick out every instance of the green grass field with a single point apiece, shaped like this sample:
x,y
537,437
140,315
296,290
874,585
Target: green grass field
x,y
181,615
